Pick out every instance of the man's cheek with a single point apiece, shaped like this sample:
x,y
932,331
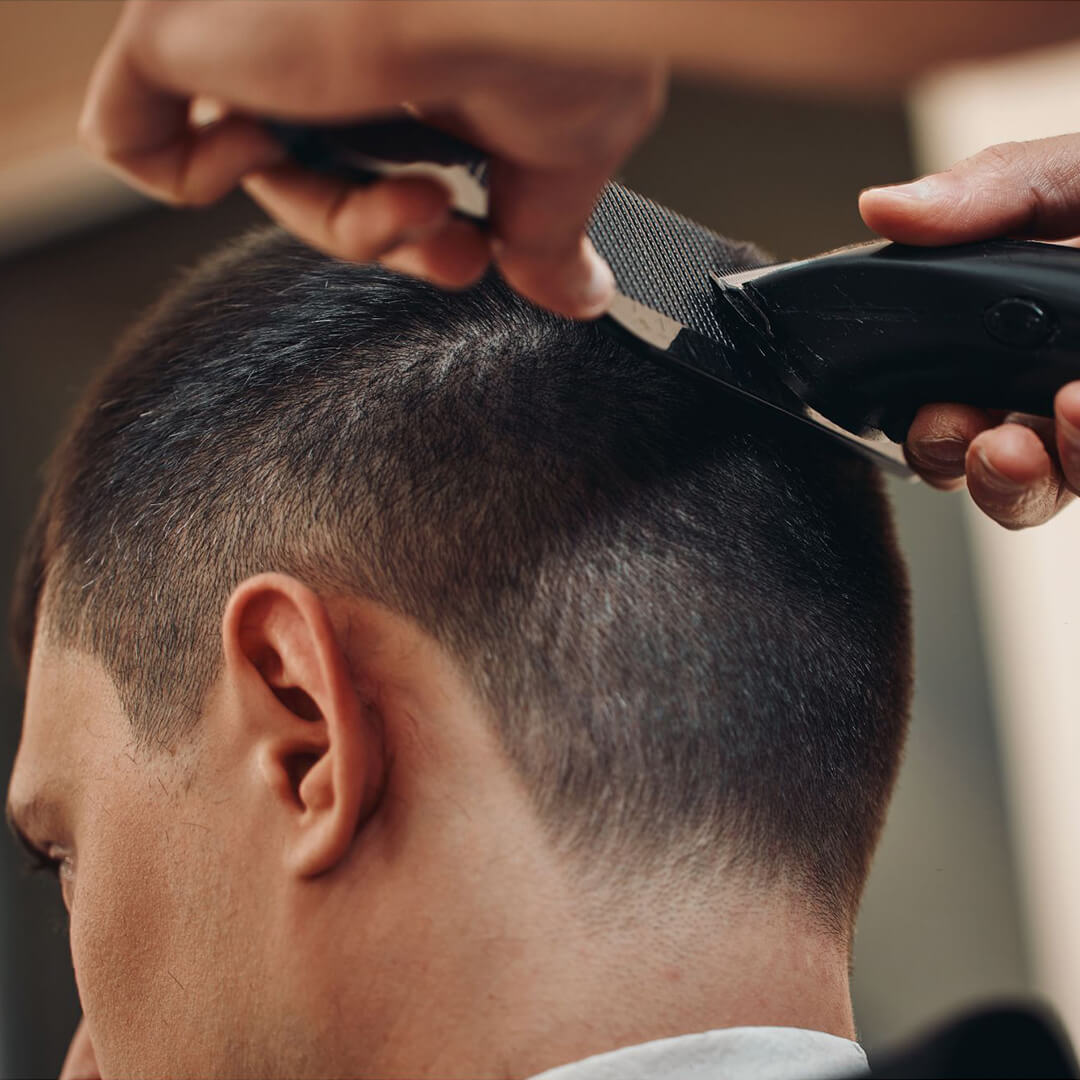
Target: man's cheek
x,y
120,939
105,952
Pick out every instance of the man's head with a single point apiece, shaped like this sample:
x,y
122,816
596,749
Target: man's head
x,y
392,649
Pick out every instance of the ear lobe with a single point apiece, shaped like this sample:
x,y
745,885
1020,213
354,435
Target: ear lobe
x,y
335,802
318,744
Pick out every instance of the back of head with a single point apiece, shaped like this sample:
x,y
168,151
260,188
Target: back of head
x,y
687,619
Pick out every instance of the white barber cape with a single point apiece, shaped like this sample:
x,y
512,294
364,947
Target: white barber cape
x,y
740,1053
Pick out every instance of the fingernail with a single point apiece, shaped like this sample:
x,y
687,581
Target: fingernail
x,y
1070,431
941,453
597,286
1070,452
995,480
926,189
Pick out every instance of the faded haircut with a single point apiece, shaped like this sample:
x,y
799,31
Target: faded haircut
x,y
687,618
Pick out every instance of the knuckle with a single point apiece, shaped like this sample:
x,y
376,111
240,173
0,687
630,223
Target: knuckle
x,y
631,104
1001,157
933,472
653,98
1041,186
589,117
941,456
629,114
89,136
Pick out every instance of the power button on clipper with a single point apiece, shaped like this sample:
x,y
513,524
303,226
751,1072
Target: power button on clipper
x,y
1019,321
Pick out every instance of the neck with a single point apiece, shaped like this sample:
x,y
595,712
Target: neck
x,y
692,970
574,984
486,952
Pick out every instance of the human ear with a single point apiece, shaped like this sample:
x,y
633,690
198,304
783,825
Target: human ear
x,y
317,742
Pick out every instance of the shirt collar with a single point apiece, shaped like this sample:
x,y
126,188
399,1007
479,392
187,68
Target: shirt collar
x,y
740,1053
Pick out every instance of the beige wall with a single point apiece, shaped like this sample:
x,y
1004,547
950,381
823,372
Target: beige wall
x,y
46,52
48,186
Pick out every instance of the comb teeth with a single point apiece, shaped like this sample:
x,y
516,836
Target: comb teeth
x,y
668,263
663,260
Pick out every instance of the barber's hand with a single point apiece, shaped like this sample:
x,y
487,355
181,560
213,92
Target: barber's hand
x,y
556,129
80,1062
1020,470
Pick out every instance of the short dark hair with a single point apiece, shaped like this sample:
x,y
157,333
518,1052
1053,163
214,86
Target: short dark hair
x,y
688,619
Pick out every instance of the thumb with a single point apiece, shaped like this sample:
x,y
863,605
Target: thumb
x,y
1018,189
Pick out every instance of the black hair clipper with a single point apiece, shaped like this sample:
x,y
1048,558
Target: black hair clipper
x,y
853,341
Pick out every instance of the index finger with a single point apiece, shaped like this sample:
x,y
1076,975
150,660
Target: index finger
x,y
141,129
293,59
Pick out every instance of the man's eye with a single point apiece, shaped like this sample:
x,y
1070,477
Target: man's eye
x,y
38,861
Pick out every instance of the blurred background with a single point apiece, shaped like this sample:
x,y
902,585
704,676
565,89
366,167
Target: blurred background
x,y
976,880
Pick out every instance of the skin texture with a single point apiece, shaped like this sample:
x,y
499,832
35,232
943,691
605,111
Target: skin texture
x,y
341,876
